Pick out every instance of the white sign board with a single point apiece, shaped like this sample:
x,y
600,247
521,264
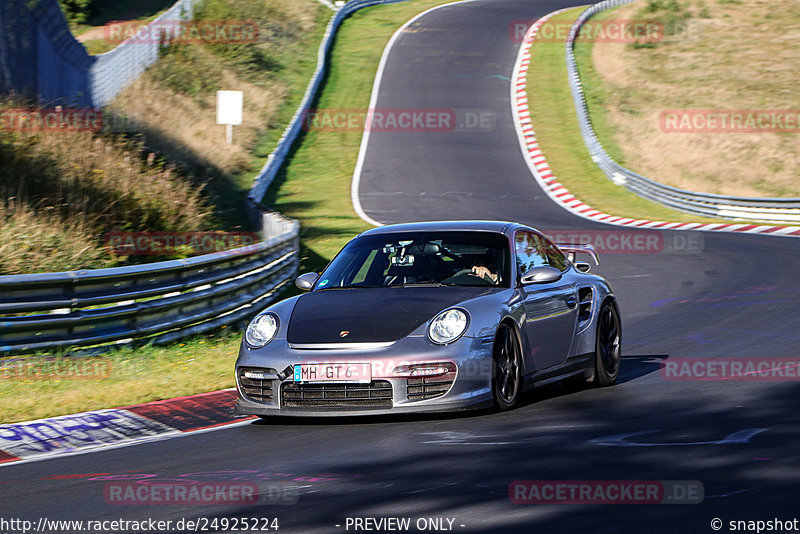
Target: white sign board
x,y
229,107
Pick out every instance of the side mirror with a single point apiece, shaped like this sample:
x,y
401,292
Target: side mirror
x,y
583,266
541,275
306,281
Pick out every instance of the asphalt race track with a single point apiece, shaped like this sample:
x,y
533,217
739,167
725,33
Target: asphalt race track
x,y
732,296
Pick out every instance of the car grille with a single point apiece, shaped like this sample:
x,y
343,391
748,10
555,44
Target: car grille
x,y
376,394
259,390
430,387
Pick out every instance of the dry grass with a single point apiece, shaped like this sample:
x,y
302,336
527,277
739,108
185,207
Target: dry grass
x,y
732,55
62,191
42,238
184,127
316,189
553,116
161,163
174,103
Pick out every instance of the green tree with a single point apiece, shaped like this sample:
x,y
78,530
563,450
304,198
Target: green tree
x,y
76,11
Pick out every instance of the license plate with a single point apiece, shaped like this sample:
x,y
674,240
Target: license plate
x,y
333,372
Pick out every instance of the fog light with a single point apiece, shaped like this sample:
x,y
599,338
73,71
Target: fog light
x,y
428,371
425,369
258,375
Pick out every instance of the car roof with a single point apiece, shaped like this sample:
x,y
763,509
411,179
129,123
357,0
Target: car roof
x,y
500,227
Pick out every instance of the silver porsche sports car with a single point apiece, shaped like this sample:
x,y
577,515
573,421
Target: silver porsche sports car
x,y
435,316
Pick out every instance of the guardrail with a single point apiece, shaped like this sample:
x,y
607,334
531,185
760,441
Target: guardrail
x,y
707,204
163,300
278,156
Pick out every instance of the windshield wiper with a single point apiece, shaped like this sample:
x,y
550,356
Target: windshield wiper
x,y
347,287
428,284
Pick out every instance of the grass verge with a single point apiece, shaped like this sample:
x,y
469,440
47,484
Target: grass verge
x,y
160,162
553,117
173,104
34,387
168,135
314,188
738,58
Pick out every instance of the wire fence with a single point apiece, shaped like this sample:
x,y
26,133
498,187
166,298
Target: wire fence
x,y
39,57
118,68
161,301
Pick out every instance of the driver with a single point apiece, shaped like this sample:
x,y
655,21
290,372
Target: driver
x,y
484,272
486,267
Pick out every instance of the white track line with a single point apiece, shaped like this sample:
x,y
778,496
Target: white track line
x,y
135,441
362,152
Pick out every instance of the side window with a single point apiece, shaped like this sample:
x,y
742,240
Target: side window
x,y
529,251
555,258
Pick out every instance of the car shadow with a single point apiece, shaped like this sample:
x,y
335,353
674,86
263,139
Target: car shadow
x,y
633,367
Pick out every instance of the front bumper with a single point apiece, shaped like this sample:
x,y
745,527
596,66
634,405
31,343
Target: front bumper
x,y
392,392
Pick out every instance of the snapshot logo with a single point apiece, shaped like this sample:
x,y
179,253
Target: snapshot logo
x,y
200,493
181,32
730,120
733,369
164,243
43,368
57,119
631,241
771,525
399,120
600,31
606,492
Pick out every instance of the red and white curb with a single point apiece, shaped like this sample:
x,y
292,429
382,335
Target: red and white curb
x,y
541,171
91,431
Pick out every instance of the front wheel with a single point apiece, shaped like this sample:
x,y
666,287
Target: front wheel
x,y
506,368
608,345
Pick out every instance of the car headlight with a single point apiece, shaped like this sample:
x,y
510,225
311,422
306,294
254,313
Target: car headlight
x,y
448,326
261,330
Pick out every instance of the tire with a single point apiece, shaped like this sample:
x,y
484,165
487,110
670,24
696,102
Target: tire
x,y
608,345
506,368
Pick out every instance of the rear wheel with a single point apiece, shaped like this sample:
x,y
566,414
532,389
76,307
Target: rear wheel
x,y
506,368
608,345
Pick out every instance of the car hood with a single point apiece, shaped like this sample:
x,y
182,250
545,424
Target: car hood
x,y
371,315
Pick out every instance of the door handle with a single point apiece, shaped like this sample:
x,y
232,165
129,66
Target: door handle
x,y
572,301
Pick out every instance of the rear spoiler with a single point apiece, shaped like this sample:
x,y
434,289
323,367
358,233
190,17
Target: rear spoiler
x,y
571,250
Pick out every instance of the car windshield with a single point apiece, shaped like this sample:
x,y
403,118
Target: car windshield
x,y
420,258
